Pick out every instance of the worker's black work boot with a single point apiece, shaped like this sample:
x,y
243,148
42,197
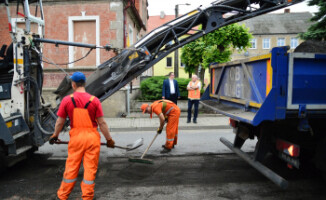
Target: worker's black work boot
x,y
164,146
165,150
54,197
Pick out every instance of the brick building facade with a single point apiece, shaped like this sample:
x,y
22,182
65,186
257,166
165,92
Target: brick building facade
x,y
119,23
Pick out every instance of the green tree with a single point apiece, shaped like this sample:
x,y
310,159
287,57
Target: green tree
x,y
317,31
191,55
214,47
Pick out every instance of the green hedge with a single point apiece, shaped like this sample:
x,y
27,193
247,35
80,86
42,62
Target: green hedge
x,y
151,88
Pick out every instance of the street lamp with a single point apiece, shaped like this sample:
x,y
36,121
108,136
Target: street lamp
x,y
176,52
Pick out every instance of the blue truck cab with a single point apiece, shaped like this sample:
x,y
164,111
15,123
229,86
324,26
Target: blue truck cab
x,y
280,98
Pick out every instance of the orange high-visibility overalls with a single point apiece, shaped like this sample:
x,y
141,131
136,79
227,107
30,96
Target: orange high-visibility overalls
x,y
84,144
172,112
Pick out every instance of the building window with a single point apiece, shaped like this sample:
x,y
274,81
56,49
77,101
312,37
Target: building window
x,y
84,29
182,64
131,35
138,37
294,43
168,62
266,43
280,42
253,43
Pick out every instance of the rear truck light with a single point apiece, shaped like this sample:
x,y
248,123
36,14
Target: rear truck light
x,y
233,123
288,148
288,152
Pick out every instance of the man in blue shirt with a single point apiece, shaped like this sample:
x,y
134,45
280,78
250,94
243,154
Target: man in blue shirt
x,y
170,89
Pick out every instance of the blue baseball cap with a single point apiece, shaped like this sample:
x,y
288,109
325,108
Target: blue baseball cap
x,y
78,77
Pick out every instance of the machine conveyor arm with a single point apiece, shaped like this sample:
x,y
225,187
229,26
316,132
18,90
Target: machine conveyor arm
x,y
130,63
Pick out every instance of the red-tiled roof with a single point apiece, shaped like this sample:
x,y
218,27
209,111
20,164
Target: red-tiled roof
x,y
156,21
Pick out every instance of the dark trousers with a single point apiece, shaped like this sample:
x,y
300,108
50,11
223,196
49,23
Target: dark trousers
x,y
195,103
174,98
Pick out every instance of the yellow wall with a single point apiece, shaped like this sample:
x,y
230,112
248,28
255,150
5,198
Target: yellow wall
x,y
161,69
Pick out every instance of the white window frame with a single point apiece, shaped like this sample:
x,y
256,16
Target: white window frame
x,y
269,43
71,21
131,36
254,40
297,42
278,43
167,62
137,37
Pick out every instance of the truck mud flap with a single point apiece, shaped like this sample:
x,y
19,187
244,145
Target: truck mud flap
x,y
275,178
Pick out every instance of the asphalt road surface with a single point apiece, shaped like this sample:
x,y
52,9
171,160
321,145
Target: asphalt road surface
x,y
179,176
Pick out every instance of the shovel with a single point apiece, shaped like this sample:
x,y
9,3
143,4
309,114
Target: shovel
x,y
142,159
129,147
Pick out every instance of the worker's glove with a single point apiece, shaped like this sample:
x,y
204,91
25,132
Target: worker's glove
x,y
110,143
166,120
159,131
53,139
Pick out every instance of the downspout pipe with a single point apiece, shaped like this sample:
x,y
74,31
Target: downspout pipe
x,y
125,24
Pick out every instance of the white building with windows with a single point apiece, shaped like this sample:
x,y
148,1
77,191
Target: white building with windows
x,y
274,30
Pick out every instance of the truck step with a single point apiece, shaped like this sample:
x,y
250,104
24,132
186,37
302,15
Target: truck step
x,y
278,180
21,150
21,134
13,118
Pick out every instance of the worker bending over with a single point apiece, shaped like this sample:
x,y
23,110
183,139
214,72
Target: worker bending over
x,y
166,111
85,114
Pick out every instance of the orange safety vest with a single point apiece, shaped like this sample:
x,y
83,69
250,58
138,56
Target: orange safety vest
x,y
81,118
167,106
194,94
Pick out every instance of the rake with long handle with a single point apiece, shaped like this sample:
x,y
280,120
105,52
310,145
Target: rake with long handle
x,y
141,159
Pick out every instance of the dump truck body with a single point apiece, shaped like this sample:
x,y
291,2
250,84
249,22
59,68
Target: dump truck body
x,y
280,98
271,87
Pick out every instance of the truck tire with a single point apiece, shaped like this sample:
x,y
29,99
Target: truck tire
x,y
320,157
2,160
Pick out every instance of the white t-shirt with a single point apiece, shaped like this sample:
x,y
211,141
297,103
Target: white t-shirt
x,y
193,83
172,89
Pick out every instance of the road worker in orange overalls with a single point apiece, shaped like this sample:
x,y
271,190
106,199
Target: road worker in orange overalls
x,y
166,111
85,114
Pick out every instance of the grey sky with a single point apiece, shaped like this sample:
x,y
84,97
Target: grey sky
x,y
156,6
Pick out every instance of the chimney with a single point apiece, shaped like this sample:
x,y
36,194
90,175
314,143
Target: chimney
x,y
162,15
287,10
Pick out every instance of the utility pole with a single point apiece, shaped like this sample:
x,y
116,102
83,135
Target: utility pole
x,y
176,52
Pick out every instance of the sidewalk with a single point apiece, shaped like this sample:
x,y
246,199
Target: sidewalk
x,y
193,139
190,142
140,122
